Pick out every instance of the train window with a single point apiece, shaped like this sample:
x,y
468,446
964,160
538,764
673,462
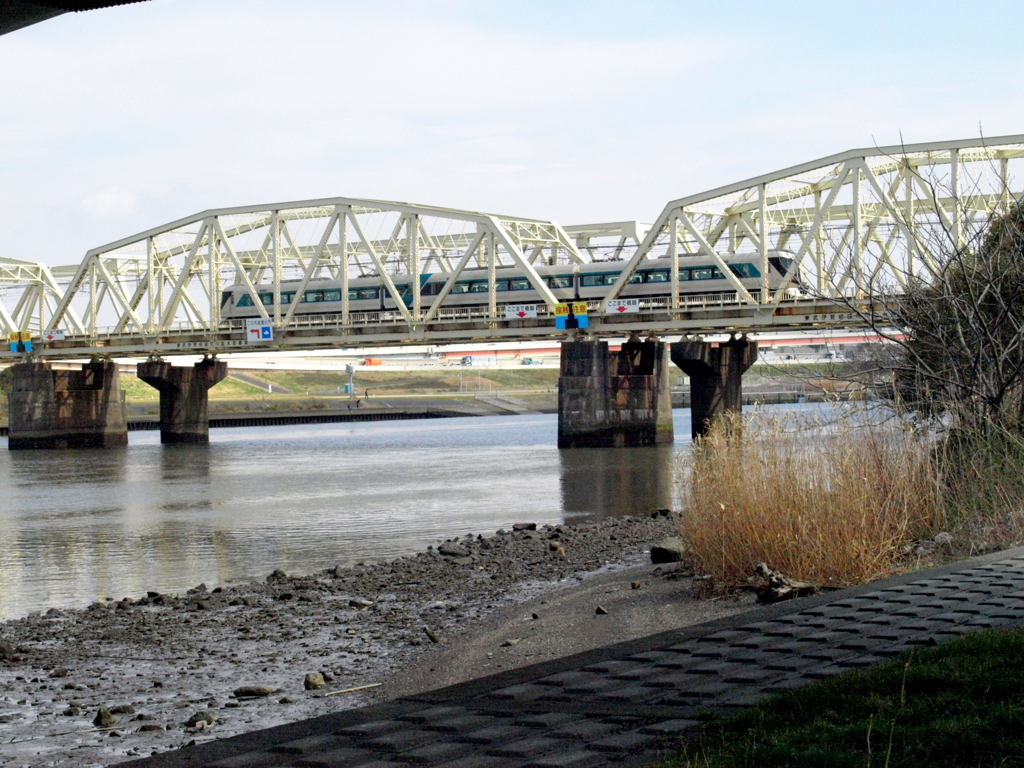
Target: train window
x,y
591,280
245,300
430,289
310,296
660,276
333,294
362,294
684,274
478,286
560,281
716,273
286,297
519,284
460,288
267,298
701,273
638,277
501,285
744,270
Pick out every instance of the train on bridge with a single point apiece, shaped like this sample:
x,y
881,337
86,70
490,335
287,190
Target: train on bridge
x,y
472,289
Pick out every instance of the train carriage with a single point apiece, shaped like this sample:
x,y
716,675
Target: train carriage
x,y
591,282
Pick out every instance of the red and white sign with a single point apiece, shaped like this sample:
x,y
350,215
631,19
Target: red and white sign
x,y
621,306
56,334
258,331
520,311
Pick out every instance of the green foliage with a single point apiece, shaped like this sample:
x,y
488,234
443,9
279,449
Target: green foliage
x,y
958,706
6,381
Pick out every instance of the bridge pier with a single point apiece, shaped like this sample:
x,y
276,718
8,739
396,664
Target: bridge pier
x,y
66,409
614,399
184,398
716,374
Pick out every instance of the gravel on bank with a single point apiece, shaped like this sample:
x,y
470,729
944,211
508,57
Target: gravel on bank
x,y
129,678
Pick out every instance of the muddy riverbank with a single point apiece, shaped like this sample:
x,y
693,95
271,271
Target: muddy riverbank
x,y
156,662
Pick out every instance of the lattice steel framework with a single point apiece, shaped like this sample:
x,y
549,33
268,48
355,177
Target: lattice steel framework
x,y
855,222
171,277
859,223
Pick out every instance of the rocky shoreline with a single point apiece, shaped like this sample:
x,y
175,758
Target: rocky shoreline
x,y
130,678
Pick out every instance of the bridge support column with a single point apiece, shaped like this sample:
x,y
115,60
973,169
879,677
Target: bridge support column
x,y
614,399
715,375
184,398
66,409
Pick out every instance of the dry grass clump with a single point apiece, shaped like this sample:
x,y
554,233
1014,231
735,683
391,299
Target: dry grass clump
x,y
829,501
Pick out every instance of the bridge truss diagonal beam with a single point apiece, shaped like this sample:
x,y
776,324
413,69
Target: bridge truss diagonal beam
x,y
862,219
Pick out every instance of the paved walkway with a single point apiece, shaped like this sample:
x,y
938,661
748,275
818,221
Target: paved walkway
x,y
613,704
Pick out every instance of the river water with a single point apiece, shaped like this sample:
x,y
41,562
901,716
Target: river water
x,y
79,526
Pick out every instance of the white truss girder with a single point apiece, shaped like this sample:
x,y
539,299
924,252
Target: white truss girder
x,y
852,222
171,277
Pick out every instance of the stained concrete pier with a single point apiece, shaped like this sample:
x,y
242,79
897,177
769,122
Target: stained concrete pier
x,y
184,398
614,399
716,373
66,409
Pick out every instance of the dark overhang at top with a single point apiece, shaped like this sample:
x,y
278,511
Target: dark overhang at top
x,y
15,14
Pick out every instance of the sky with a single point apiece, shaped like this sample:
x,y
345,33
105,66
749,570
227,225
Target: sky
x,y
118,120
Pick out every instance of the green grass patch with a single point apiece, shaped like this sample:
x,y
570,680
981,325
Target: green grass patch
x,y
136,390
957,706
446,380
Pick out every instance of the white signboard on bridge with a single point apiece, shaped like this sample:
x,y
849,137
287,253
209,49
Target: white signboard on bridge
x,y
520,311
621,306
55,334
258,331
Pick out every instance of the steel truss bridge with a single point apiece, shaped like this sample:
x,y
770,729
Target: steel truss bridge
x,y
858,223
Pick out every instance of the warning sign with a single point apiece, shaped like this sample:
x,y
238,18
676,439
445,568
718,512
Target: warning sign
x,y
571,315
258,331
621,306
20,341
561,310
521,311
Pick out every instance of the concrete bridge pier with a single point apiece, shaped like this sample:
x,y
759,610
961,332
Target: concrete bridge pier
x,y
614,399
66,409
184,398
716,373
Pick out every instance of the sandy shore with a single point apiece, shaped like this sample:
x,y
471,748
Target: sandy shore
x,y
158,661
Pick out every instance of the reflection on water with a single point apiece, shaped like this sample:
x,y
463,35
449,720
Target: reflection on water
x,y
83,525
599,482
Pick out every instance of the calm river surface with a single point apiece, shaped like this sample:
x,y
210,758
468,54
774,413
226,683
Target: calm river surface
x,y
78,526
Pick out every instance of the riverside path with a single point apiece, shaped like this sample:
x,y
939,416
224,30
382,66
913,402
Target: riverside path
x,y
620,703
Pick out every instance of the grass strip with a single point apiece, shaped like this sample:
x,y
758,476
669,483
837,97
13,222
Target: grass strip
x,y
958,705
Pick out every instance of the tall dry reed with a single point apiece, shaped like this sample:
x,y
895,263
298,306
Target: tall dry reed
x,y
825,501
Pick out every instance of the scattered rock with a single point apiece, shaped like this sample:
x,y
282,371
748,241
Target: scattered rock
x,y
943,538
600,610
150,727
510,642
635,585
144,717
6,650
450,549
72,712
432,635
276,575
59,672
122,709
313,681
669,550
252,691
202,716
360,603
103,718
286,700
524,526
